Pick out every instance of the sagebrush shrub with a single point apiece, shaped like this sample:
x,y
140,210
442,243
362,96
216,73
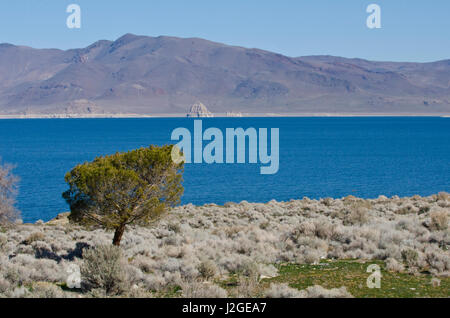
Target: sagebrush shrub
x,y
247,287
435,282
327,201
308,256
408,209
4,285
45,290
437,260
439,220
283,291
36,236
393,265
207,269
444,196
3,240
202,290
317,291
359,213
104,268
267,271
410,257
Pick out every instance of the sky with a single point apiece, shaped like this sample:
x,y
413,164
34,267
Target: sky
x,y
411,30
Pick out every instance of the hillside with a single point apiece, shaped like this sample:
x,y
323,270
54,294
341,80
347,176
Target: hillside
x,y
155,75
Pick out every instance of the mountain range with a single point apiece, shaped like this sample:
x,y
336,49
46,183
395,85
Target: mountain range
x,y
166,75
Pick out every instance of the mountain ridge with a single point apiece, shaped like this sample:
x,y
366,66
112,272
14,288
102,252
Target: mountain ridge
x,y
164,74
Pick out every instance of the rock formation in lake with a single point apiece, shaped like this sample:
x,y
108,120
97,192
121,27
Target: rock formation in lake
x,y
199,110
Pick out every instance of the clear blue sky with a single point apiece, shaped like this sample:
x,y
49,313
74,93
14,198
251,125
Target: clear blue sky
x,y
412,30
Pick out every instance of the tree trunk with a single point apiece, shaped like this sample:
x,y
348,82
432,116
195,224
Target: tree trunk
x,y
118,235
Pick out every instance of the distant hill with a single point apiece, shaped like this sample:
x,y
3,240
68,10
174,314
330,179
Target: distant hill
x,y
154,75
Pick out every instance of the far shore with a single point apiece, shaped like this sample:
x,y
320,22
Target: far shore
x,y
219,115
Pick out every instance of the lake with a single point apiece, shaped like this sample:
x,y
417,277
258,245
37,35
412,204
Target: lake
x,y
319,157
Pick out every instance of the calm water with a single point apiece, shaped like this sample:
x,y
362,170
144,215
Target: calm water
x,y
319,157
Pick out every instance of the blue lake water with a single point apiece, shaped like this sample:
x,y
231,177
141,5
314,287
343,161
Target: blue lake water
x,y
319,157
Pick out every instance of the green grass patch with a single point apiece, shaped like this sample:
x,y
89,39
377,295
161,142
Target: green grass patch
x,y
353,275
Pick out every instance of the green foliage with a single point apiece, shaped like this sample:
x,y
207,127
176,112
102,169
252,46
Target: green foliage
x,y
125,188
353,275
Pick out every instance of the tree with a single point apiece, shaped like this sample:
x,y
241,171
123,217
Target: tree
x,y
114,191
8,192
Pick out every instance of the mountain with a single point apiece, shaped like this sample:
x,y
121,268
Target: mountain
x,y
155,75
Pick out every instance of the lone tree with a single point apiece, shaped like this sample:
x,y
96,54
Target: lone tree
x,y
113,191
8,191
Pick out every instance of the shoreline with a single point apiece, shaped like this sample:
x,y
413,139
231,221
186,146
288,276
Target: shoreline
x,y
381,197
219,115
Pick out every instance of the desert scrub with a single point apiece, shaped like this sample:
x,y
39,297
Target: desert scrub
x,y
202,290
158,259
327,201
435,282
207,269
410,257
439,220
36,236
357,212
45,290
103,268
282,290
8,191
393,265
246,287
317,291
443,196
3,240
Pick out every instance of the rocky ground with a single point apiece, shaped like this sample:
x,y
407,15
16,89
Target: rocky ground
x,y
232,250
